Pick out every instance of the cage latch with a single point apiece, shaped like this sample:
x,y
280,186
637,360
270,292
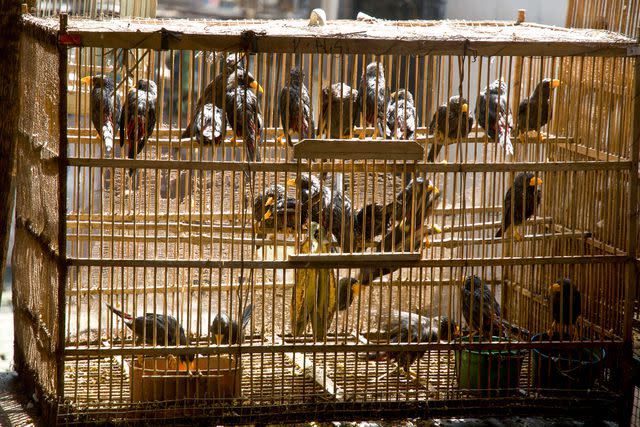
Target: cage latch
x,y
633,50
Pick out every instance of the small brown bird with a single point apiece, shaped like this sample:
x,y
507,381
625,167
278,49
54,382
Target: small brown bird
x,y
295,108
452,118
152,329
405,327
340,98
535,111
525,190
372,95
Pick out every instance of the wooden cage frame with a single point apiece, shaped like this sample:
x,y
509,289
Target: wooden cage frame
x,y
411,38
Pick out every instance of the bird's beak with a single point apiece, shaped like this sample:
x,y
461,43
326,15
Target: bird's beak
x,y
433,189
86,80
255,85
291,181
535,181
555,83
465,108
554,288
269,201
182,366
218,338
355,288
456,333
266,215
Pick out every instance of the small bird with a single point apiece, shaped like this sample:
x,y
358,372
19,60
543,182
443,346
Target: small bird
x,y
407,212
566,305
273,211
405,327
106,108
225,331
295,108
401,116
451,119
152,329
209,125
244,112
370,101
498,122
531,196
535,111
348,289
138,117
370,221
480,309
339,108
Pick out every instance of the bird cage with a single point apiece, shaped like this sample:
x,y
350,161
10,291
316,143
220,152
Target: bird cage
x,y
277,224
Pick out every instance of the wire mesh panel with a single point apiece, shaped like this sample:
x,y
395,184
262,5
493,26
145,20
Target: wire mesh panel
x,y
262,216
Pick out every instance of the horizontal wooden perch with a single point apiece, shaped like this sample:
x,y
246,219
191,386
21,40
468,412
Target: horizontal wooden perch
x,y
357,149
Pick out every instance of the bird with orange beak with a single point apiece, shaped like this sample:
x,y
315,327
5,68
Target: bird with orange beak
x,y
520,202
226,331
535,111
450,121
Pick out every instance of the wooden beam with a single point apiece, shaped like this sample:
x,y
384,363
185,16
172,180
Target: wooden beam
x,y
358,149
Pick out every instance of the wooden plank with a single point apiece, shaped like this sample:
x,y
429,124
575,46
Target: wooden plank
x,y
358,149
347,37
592,153
313,371
459,242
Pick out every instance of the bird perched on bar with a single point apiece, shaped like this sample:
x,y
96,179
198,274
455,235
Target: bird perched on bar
x,y
405,327
273,211
209,125
339,107
494,115
244,112
152,330
525,190
348,289
138,117
566,306
106,108
313,193
295,108
370,221
225,331
535,111
370,101
410,203
314,296
450,120
401,116
481,311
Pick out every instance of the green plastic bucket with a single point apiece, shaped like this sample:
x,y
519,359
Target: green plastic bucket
x,y
488,371
555,368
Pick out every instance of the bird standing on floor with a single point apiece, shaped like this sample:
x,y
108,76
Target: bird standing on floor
x,y
106,108
525,191
244,112
340,98
494,115
138,117
370,102
295,108
225,331
535,111
152,329
450,120
566,305
405,327
401,116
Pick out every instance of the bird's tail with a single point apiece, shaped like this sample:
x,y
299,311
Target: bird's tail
x,y
107,136
512,329
499,232
246,315
119,313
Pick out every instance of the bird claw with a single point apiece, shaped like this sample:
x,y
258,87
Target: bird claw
x,y
411,374
363,134
279,139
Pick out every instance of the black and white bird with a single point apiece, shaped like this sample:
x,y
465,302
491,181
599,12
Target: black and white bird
x,y
401,116
370,102
106,108
494,115
295,108
138,117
